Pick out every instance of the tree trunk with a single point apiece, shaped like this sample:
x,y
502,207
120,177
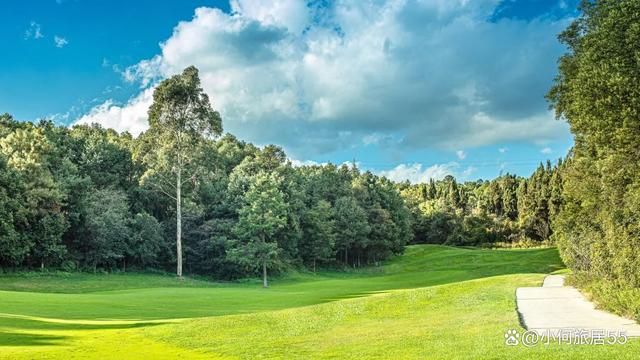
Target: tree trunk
x,y
346,256
41,264
264,275
314,266
179,224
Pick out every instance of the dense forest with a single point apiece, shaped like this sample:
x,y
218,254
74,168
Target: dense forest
x,y
597,91
506,211
88,198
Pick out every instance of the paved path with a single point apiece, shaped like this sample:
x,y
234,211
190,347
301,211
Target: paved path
x,y
555,306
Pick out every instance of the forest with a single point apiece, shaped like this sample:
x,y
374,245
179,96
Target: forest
x,y
509,211
88,198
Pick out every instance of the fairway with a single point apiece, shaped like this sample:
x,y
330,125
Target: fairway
x,y
431,302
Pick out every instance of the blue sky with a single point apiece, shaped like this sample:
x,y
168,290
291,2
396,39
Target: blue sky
x,y
411,89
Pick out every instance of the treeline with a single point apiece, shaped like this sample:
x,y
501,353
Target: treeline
x,y
598,92
83,198
510,210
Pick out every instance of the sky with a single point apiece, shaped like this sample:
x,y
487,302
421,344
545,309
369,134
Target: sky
x,y
409,89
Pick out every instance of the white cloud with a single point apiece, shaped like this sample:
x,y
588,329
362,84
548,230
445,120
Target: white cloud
x,y
146,71
290,14
299,163
60,41
317,79
464,175
482,129
415,173
131,117
461,154
371,139
503,150
379,139
546,150
34,31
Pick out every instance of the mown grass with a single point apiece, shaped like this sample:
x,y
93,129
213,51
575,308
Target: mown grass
x,y
432,302
64,282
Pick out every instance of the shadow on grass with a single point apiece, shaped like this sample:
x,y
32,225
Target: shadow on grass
x,y
21,339
36,324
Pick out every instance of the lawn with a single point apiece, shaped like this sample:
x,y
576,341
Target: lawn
x,y
431,302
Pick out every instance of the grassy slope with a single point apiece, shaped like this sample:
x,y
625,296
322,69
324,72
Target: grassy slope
x,y
446,315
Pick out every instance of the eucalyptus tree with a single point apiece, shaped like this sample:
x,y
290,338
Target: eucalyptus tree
x,y
181,119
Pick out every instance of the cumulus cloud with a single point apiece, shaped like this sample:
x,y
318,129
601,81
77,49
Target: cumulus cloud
x,y
60,41
315,79
290,14
503,150
146,71
415,173
546,150
34,31
299,163
131,117
461,154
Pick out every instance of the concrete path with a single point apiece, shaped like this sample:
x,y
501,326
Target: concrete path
x,y
555,306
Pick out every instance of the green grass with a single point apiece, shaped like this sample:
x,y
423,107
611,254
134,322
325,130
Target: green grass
x,y
432,302
61,282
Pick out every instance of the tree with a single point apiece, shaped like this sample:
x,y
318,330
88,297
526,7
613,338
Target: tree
x,y
453,196
319,239
28,151
382,234
432,192
262,215
103,158
14,245
351,225
180,119
597,91
107,235
48,232
145,241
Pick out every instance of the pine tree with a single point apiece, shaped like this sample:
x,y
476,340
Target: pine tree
x,y
263,214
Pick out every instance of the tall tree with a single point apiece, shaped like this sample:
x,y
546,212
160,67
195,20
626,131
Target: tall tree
x,y
180,119
262,215
319,241
351,225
